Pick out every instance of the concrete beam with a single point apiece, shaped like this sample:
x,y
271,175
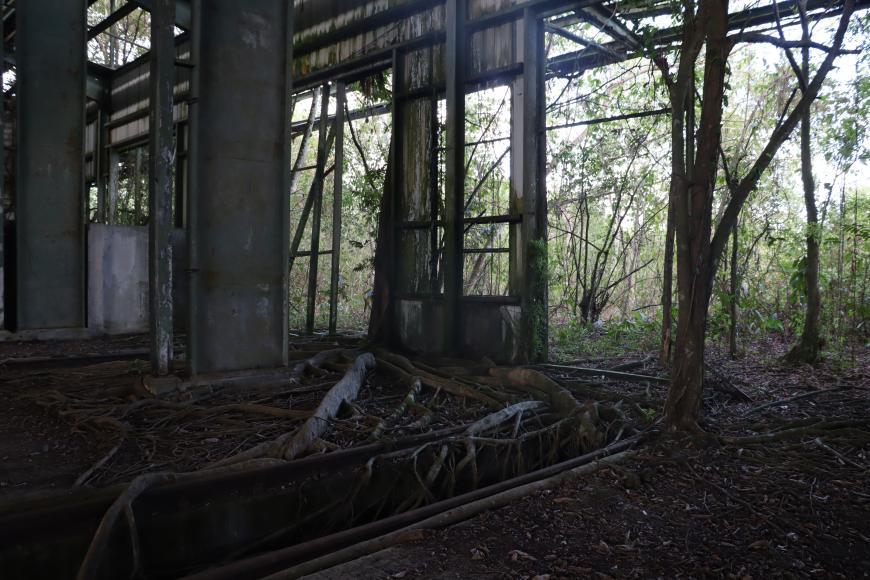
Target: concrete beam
x,y
238,217
50,42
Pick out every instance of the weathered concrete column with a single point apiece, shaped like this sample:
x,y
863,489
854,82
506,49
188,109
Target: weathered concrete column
x,y
160,188
50,51
238,216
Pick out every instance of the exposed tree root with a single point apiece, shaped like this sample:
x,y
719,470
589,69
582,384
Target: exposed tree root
x,y
316,362
291,445
395,363
84,477
561,400
498,418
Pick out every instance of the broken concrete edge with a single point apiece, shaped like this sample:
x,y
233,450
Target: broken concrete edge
x,y
49,334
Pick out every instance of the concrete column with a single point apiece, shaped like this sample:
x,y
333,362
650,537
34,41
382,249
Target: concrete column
x,y
238,222
50,51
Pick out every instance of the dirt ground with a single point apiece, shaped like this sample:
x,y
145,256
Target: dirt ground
x,y
794,504
795,508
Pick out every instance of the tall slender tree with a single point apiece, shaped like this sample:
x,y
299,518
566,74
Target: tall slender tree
x,y
699,245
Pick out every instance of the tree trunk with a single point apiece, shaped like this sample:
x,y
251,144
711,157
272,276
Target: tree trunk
x,y
683,404
693,203
807,349
668,289
732,299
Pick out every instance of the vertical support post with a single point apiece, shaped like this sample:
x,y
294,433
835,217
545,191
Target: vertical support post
x,y
317,193
337,194
100,164
114,182
287,170
181,169
236,221
434,193
534,196
50,198
455,171
160,180
2,191
137,181
191,202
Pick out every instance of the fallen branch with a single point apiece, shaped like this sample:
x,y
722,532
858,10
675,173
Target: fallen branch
x,y
83,478
627,366
815,429
631,377
790,399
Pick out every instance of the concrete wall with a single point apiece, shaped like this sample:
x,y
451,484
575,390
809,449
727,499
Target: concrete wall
x,y
118,279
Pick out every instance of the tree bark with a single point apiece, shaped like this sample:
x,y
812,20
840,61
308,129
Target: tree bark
x,y
732,299
668,289
807,349
693,211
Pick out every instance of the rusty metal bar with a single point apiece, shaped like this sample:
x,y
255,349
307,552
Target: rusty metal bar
x,y
3,191
101,161
637,115
455,60
317,209
434,193
160,173
486,250
394,173
337,195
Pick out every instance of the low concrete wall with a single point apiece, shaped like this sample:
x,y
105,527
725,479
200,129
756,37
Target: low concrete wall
x,y
118,278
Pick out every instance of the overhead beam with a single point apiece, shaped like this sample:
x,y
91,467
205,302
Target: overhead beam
x,y
183,17
112,19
